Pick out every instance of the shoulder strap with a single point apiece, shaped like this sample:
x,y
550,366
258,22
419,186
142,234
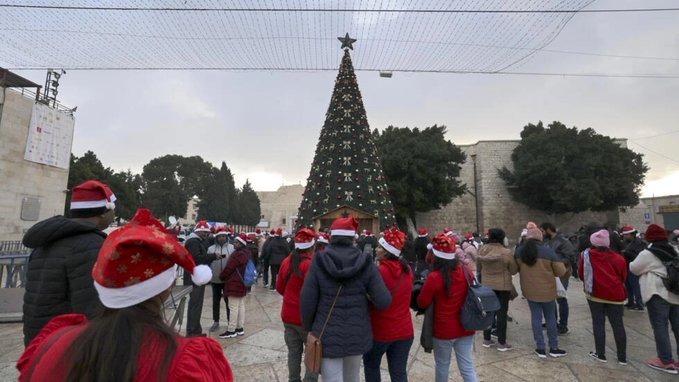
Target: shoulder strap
x,y
330,312
398,283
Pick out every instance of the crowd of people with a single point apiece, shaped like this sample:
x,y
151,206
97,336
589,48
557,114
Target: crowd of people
x,y
93,303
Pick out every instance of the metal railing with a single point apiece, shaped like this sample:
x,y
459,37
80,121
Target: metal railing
x,y
13,259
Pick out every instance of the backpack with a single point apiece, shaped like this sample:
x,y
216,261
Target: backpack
x,y
671,282
249,276
480,305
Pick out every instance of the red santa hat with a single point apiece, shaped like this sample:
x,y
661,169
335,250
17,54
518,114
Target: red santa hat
x,y
273,232
628,229
278,232
242,238
423,232
139,261
655,232
258,232
443,246
221,231
448,232
368,232
305,238
92,194
469,236
393,241
323,238
344,227
202,226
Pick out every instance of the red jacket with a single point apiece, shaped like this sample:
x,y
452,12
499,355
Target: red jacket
x,y
610,273
291,287
394,323
447,325
196,359
233,281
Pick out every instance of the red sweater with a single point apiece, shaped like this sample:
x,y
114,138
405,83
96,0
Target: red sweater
x,y
394,323
610,273
447,325
291,288
196,359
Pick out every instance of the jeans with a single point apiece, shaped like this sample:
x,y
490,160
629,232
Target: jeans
x,y
548,310
195,310
463,355
344,369
633,290
295,338
217,292
397,359
500,317
660,312
600,311
237,306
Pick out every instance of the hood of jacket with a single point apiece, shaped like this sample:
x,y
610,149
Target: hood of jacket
x,y
343,262
57,228
393,267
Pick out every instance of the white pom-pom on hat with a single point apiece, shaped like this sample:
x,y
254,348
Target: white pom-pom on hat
x,y
202,274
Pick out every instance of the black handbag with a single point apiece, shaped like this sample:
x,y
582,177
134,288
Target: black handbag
x,y
480,305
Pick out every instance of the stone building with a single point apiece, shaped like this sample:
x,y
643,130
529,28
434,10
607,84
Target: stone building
x,y
29,191
661,210
279,208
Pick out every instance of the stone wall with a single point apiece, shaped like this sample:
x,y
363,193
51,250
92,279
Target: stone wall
x,y
495,206
20,178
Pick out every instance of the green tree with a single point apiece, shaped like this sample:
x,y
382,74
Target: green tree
x,y
422,169
127,188
565,170
163,191
346,169
213,199
248,205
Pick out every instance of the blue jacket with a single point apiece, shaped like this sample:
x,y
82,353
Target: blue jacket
x,y
348,331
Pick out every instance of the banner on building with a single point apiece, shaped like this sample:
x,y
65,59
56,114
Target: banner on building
x,y
50,136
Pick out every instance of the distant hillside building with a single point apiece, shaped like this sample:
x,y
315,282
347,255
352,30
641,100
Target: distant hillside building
x,y
35,151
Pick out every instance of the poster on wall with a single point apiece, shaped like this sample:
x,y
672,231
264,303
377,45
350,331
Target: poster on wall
x,y
50,136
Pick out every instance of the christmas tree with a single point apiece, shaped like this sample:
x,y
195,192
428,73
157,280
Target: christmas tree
x,y
346,170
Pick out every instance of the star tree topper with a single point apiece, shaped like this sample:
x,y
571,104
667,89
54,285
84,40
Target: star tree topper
x,y
347,42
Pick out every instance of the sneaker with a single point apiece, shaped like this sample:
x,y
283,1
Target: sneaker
x,y
227,334
556,353
657,364
267,285
563,331
622,362
540,353
504,347
488,343
638,308
214,326
493,333
240,331
600,358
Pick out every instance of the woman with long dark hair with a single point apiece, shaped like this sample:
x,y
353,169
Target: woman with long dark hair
x,y
289,284
128,339
538,268
446,287
392,327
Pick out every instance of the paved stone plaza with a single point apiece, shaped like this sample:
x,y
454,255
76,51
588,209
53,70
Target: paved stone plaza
x,y
260,355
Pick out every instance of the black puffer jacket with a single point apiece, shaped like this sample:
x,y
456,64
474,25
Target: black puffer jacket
x,y
348,331
279,250
59,277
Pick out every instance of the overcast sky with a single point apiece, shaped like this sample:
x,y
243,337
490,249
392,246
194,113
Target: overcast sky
x,y
265,125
